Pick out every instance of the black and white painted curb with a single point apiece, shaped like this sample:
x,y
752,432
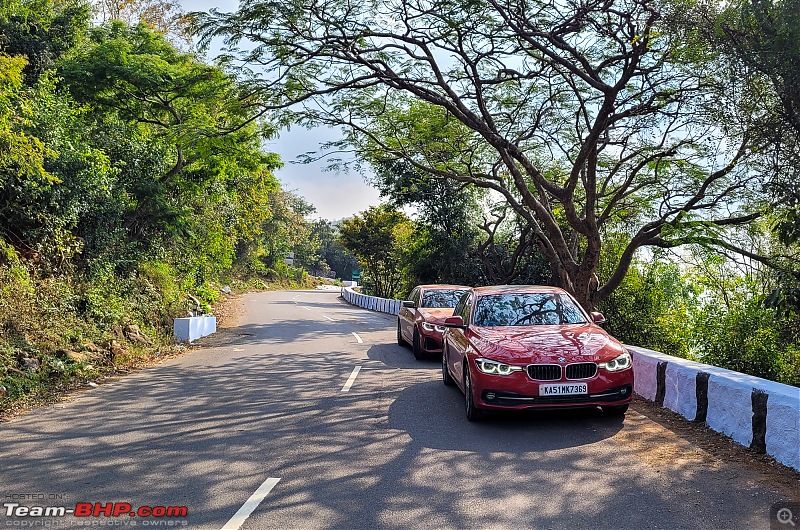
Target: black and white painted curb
x,y
373,303
757,413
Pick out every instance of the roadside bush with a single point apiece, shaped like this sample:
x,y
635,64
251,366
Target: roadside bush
x,y
746,338
102,303
652,308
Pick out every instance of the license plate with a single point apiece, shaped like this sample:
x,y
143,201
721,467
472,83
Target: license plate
x,y
564,389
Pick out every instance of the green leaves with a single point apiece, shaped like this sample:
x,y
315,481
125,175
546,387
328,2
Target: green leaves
x,y
21,153
378,238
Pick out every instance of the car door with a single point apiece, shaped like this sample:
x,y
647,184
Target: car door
x,y
457,338
408,316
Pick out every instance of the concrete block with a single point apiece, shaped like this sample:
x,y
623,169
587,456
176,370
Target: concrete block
x,y
783,424
192,328
730,409
644,372
681,395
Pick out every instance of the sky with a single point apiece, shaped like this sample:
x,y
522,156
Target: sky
x,y
334,195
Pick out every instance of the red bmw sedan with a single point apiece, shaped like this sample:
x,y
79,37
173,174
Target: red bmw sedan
x,y
420,317
514,347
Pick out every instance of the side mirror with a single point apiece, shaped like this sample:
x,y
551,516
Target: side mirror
x,y
454,322
598,317
409,303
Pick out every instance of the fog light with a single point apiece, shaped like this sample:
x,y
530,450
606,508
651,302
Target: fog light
x,y
623,391
490,396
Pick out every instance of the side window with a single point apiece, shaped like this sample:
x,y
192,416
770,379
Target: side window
x,y
418,297
459,306
462,309
467,307
414,295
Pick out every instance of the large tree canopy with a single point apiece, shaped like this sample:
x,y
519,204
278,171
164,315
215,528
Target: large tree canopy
x,y
585,117
763,36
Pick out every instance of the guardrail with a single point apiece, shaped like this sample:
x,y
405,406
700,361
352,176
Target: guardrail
x,y
757,413
373,303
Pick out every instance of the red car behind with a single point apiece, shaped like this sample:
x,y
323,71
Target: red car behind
x,y
420,317
516,347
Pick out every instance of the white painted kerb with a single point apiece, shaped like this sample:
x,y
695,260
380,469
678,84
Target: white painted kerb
x,y
730,401
373,303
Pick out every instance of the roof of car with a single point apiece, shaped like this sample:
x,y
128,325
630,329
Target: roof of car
x,y
519,289
442,286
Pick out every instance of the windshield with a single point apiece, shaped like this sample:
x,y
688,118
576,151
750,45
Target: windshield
x,y
441,297
527,309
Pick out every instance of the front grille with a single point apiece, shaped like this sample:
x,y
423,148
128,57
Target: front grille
x,y
581,370
544,372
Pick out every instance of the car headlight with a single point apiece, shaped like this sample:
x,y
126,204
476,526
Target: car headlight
x,y
623,362
489,366
433,327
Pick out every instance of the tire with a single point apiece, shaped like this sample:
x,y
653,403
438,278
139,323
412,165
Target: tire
x,y
447,379
473,414
415,346
616,410
400,340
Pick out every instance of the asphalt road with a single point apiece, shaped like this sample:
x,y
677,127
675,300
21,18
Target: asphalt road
x,y
265,400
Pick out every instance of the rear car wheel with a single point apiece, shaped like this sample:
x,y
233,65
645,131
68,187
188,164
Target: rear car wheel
x,y
400,340
447,379
473,414
617,410
415,346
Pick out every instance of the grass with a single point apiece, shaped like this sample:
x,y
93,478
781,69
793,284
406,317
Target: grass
x,y
62,333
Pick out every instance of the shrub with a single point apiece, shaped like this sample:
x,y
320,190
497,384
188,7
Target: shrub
x,y
652,308
743,338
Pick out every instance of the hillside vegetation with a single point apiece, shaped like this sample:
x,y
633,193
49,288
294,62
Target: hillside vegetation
x,y
131,177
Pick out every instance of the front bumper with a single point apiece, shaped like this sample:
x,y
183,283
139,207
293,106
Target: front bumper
x,y
431,342
518,391
613,396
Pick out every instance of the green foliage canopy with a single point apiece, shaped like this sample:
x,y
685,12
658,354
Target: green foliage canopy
x,y
581,117
377,237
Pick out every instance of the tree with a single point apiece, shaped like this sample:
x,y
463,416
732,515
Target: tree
x,y
761,38
165,16
287,230
446,236
460,240
178,129
509,253
582,116
198,110
42,31
765,35
50,174
332,252
377,237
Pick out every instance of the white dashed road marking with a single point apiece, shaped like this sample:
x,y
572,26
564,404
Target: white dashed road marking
x,y
351,379
251,504
358,338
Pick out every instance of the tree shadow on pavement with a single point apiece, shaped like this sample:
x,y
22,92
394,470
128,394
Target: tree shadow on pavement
x,y
393,452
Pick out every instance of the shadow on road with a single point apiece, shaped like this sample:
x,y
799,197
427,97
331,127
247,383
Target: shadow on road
x,y
395,356
422,410
394,452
